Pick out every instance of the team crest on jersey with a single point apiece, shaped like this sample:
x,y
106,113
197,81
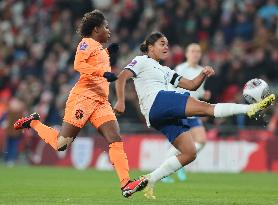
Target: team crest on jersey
x,y
79,114
83,46
132,63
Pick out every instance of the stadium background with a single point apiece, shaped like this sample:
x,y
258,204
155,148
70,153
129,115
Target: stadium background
x,y
239,38
37,45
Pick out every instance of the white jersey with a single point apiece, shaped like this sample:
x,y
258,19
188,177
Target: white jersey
x,y
190,73
149,78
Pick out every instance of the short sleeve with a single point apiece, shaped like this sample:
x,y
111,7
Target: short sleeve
x,y
178,70
86,48
170,73
135,66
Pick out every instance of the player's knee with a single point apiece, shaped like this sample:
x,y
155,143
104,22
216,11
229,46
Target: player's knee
x,y
192,155
115,138
112,136
188,157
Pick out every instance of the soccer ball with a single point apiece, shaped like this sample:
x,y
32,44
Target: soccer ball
x,y
255,90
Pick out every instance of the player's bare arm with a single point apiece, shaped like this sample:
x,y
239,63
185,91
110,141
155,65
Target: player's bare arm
x,y
120,90
196,82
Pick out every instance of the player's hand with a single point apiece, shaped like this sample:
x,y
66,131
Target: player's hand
x,y
119,107
113,48
110,76
208,71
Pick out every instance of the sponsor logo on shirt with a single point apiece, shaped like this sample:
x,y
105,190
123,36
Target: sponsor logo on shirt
x,y
133,63
83,46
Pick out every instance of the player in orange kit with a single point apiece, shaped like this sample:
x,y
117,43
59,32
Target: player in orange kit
x,y
88,101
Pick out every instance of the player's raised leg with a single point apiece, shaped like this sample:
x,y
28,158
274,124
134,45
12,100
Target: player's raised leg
x,y
77,114
67,135
58,141
199,108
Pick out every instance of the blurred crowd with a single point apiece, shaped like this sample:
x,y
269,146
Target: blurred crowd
x,y
38,40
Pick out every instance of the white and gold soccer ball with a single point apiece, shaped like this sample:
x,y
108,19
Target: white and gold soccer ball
x,y
255,90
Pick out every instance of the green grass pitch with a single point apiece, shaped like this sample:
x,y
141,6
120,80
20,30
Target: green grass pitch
x,y
44,185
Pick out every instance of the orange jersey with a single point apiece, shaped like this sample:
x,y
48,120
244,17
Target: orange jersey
x,y
91,61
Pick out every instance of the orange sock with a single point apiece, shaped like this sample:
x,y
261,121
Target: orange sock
x,y
48,134
119,160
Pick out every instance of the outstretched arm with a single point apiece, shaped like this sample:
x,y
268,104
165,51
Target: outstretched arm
x,y
196,82
120,90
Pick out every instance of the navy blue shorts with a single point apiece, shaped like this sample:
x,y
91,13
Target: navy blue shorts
x,y
192,122
168,112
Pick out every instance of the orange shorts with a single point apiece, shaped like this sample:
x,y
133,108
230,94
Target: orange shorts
x,y
80,109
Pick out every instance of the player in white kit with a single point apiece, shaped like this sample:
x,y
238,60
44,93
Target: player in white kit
x,y
165,109
190,69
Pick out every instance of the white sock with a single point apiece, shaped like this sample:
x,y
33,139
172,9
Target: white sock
x,y
199,146
172,152
168,167
229,109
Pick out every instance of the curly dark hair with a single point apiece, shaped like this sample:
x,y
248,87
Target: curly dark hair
x,y
89,21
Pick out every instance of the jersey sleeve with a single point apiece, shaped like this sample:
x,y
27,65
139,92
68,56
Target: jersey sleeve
x,y
135,66
84,51
178,70
170,73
